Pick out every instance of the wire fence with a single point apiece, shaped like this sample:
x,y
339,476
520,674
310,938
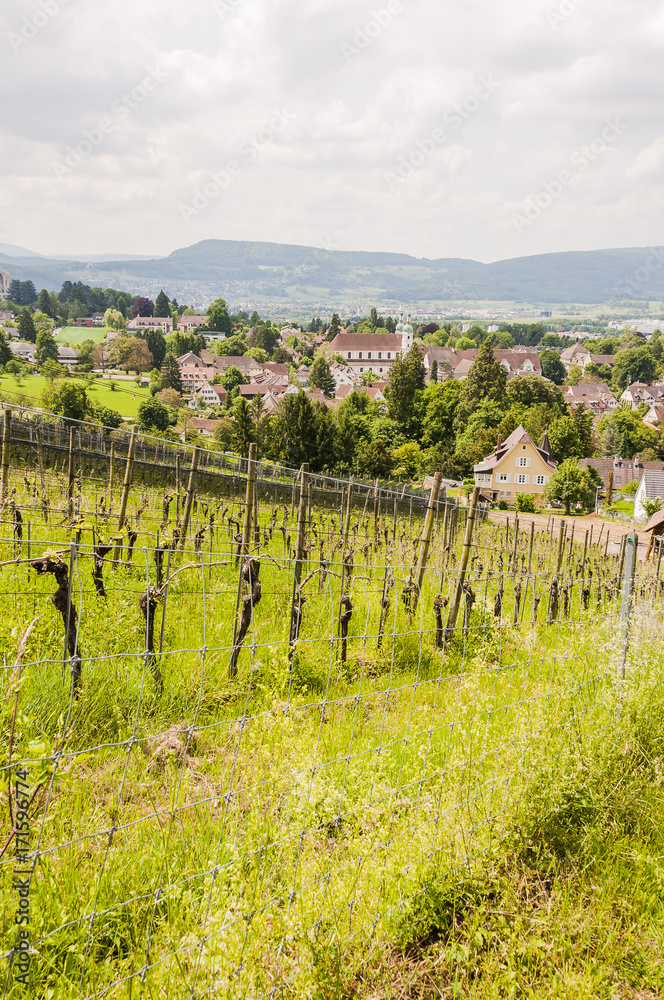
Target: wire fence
x,y
243,739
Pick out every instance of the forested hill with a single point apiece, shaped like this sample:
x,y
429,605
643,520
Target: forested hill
x,y
243,270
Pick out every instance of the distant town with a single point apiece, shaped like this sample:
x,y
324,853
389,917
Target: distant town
x,y
528,411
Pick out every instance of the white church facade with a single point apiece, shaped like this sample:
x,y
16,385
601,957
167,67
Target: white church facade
x,y
5,282
373,352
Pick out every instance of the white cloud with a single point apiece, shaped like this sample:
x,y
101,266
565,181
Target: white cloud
x,y
322,179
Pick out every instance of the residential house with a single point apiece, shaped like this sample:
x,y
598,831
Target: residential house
x,y
638,393
302,374
624,470
23,350
517,465
6,316
372,391
194,376
204,427
595,396
651,487
68,357
187,324
210,395
248,367
654,416
574,356
254,389
163,323
98,319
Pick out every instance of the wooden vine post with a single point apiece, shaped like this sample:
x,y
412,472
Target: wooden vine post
x,y
71,475
425,544
298,600
129,468
40,455
6,448
463,566
189,499
252,473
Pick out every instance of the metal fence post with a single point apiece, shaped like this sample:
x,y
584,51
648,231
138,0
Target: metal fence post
x,y
631,542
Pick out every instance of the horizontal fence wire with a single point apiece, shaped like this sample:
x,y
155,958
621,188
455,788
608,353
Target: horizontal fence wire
x,y
236,746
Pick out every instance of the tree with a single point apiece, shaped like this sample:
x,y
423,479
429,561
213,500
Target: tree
x,y
44,303
564,439
162,306
67,398
52,370
114,320
232,378
266,337
223,434
5,350
103,415
531,390
142,307
258,354
26,327
570,485
583,420
170,374
434,371
487,378
368,378
281,357
132,354
169,397
610,438
408,459
152,415
46,347
233,347
334,328
651,507
635,436
244,432
156,345
525,503
440,401
634,365
552,367
101,357
85,352
218,318
407,380
375,459
321,378
23,293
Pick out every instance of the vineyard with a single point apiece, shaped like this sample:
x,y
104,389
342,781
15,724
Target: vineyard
x,y
255,718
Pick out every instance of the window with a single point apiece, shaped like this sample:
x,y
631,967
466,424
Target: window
x,y
504,477
522,479
389,355
369,355
380,355
523,447
349,355
360,355
380,370
523,463
540,480
361,369
617,479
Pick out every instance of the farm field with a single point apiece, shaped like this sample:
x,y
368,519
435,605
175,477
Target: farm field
x,y
126,398
259,755
76,335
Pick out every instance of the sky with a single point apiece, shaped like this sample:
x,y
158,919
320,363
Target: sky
x,y
469,129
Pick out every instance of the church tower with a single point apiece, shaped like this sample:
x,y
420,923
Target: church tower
x,y
406,332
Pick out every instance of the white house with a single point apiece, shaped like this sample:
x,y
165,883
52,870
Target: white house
x,y
211,395
189,323
651,487
23,350
164,323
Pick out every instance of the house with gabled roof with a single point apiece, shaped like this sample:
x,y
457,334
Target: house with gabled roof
x,y
517,465
651,487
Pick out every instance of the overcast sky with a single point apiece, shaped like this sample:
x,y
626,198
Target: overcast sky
x,y
467,129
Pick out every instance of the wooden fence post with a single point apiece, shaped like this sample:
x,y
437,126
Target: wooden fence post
x,y
71,475
129,468
425,544
189,500
463,567
6,449
296,605
252,471
40,455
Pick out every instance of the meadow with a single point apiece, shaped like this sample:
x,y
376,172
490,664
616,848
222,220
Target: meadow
x,y
76,335
260,760
126,397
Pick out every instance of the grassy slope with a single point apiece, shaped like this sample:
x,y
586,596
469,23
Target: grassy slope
x,y
126,398
75,335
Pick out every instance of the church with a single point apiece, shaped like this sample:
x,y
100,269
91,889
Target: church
x,y
373,352
5,282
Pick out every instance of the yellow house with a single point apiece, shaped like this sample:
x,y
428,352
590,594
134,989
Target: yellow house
x,y
516,466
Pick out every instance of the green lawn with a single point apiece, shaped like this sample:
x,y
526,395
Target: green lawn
x,y
75,335
126,398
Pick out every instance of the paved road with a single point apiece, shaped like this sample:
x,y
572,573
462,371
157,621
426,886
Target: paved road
x,y
543,522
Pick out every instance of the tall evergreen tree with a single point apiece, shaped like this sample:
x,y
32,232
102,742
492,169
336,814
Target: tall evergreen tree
x,y
170,374
218,318
26,327
487,378
321,378
244,432
406,382
162,306
5,350
156,344
44,303
46,347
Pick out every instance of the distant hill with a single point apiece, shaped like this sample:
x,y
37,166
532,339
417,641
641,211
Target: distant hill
x,y
244,271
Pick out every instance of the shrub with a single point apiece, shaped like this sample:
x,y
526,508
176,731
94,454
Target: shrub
x,y
525,502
